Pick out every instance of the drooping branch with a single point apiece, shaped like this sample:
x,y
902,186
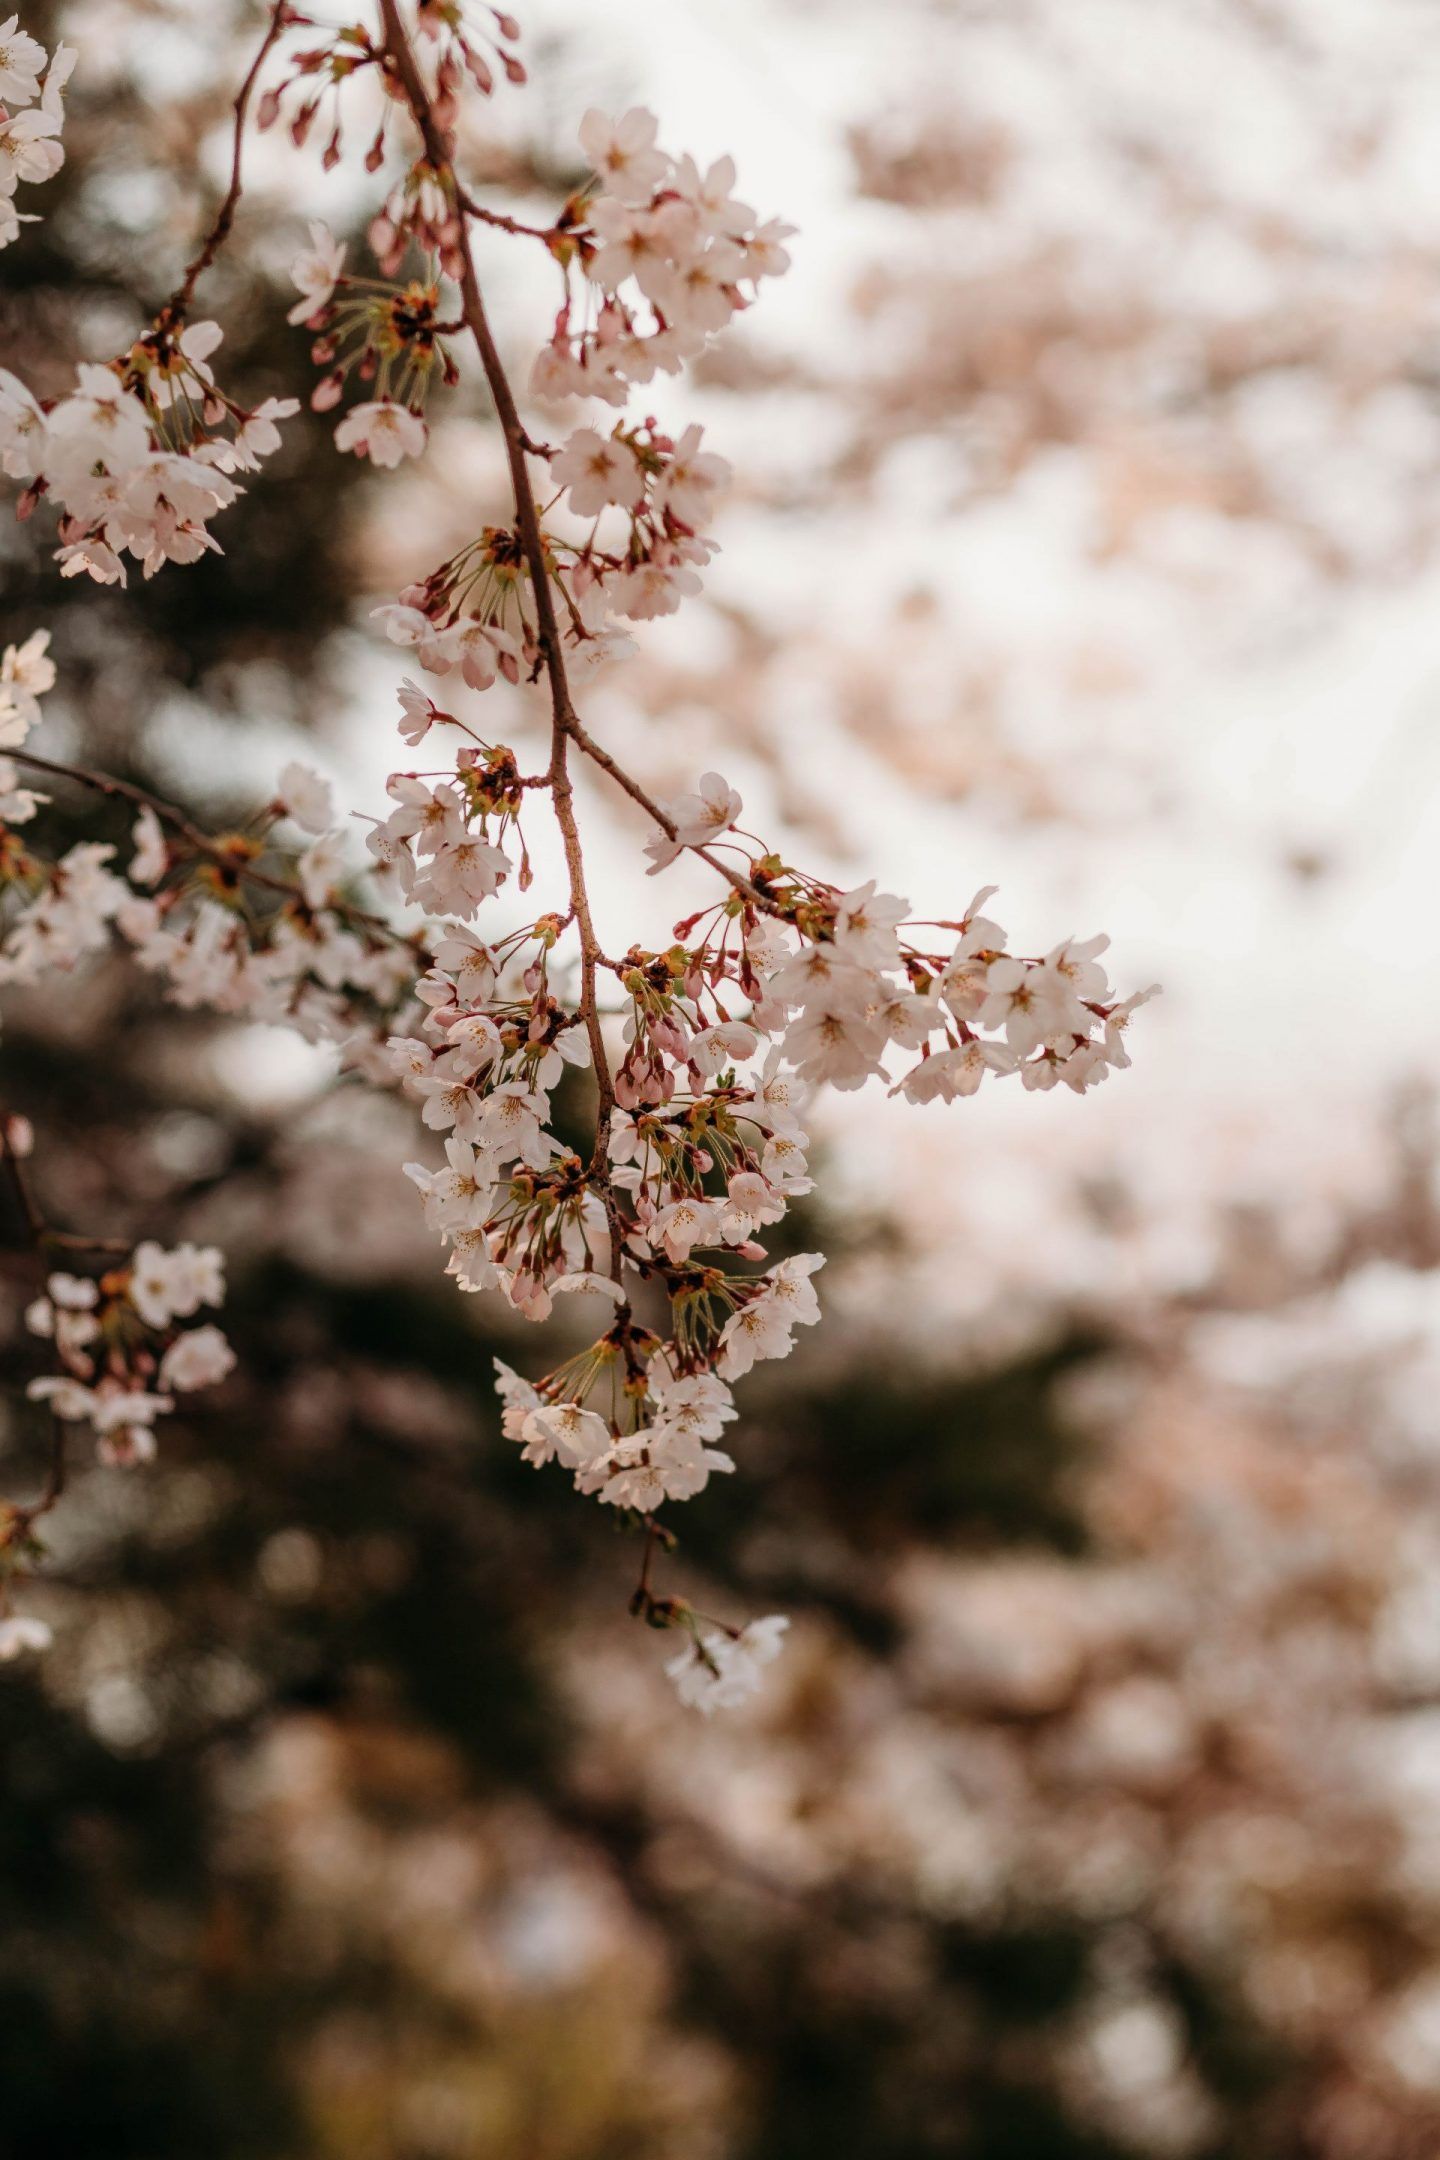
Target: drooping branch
x,y
566,726
705,1155
564,721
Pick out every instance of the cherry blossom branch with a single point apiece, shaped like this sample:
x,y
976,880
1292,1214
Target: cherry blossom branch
x,y
40,1232
600,756
566,725
501,223
229,856
693,1153
127,791
282,15
564,720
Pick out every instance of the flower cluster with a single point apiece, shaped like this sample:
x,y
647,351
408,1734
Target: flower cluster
x,y
645,497
385,335
66,913
442,839
798,982
122,1354
666,256
32,114
512,1203
310,960
236,922
140,455
664,489
26,673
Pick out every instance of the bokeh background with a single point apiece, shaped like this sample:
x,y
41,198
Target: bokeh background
x,y
1084,541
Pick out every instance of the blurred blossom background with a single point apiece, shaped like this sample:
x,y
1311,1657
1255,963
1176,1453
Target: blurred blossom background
x,y
1084,541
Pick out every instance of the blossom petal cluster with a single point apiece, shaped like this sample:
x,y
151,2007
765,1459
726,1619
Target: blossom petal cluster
x,y
122,1355
716,1671
236,927
32,114
787,984
667,255
140,455
790,985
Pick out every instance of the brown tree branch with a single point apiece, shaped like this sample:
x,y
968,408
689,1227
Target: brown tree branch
x,y
281,15
222,853
564,721
566,726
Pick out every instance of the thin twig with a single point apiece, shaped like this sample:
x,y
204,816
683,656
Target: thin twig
x,y
584,740
564,721
498,218
281,14
222,853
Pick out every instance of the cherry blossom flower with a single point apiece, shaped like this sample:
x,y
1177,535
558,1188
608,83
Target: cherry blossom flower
x,y
316,271
168,1285
623,152
835,1042
20,1632
598,470
952,1073
721,1672
570,1435
383,431
22,61
151,858
682,1224
198,1358
22,428
690,479
697,818
758,1331
320,867
306,797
